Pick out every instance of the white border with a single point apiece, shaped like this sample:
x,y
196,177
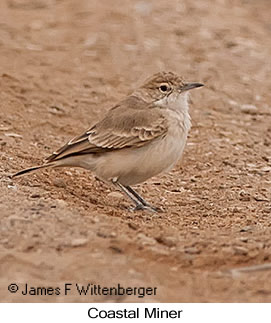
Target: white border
x,y
78,312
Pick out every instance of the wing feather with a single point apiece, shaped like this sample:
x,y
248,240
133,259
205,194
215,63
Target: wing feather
x,y
121,128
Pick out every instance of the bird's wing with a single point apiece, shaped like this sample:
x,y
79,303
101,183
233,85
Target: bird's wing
x,y
121,128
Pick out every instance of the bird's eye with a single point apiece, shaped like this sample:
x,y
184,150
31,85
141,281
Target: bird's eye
x,y
163,88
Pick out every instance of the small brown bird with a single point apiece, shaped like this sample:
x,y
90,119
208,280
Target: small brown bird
x,y
140,137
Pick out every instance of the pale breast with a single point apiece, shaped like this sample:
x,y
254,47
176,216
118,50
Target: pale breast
x,y
132,166
135,165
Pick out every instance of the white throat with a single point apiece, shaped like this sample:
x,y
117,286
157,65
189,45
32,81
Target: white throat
x,y
175,101
177,105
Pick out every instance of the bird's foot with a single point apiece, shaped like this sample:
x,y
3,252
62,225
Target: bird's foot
x,y
141,207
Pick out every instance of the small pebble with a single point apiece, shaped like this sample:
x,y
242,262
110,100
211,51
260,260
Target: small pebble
x,y
117,195
59,182
78,242
146,240
60,203
192,250
14,135
247,228
35,196
249,109
116,249
132,226
240,251
167,241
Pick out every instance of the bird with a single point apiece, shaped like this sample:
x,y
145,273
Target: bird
x,y
140,137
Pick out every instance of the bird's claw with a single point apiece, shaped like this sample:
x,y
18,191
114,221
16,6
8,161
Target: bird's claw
x,y
141,207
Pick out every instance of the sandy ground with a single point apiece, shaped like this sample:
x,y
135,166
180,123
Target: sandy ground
x,y
63,63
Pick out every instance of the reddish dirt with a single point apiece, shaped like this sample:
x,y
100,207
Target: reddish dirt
x,y
63,63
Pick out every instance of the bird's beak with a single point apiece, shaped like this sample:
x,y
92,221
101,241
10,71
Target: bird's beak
x,y
190,86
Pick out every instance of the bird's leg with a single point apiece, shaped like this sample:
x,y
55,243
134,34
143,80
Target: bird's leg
x,y
140,204
142,201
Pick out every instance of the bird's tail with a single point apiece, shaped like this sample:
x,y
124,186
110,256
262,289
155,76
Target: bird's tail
x,y
32,169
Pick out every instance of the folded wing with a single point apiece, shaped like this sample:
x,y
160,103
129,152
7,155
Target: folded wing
x,y
124,126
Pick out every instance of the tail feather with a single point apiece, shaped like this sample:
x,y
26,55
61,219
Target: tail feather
x,y
31,169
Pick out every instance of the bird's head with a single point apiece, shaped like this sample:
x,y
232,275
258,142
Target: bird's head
x,y
164,87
